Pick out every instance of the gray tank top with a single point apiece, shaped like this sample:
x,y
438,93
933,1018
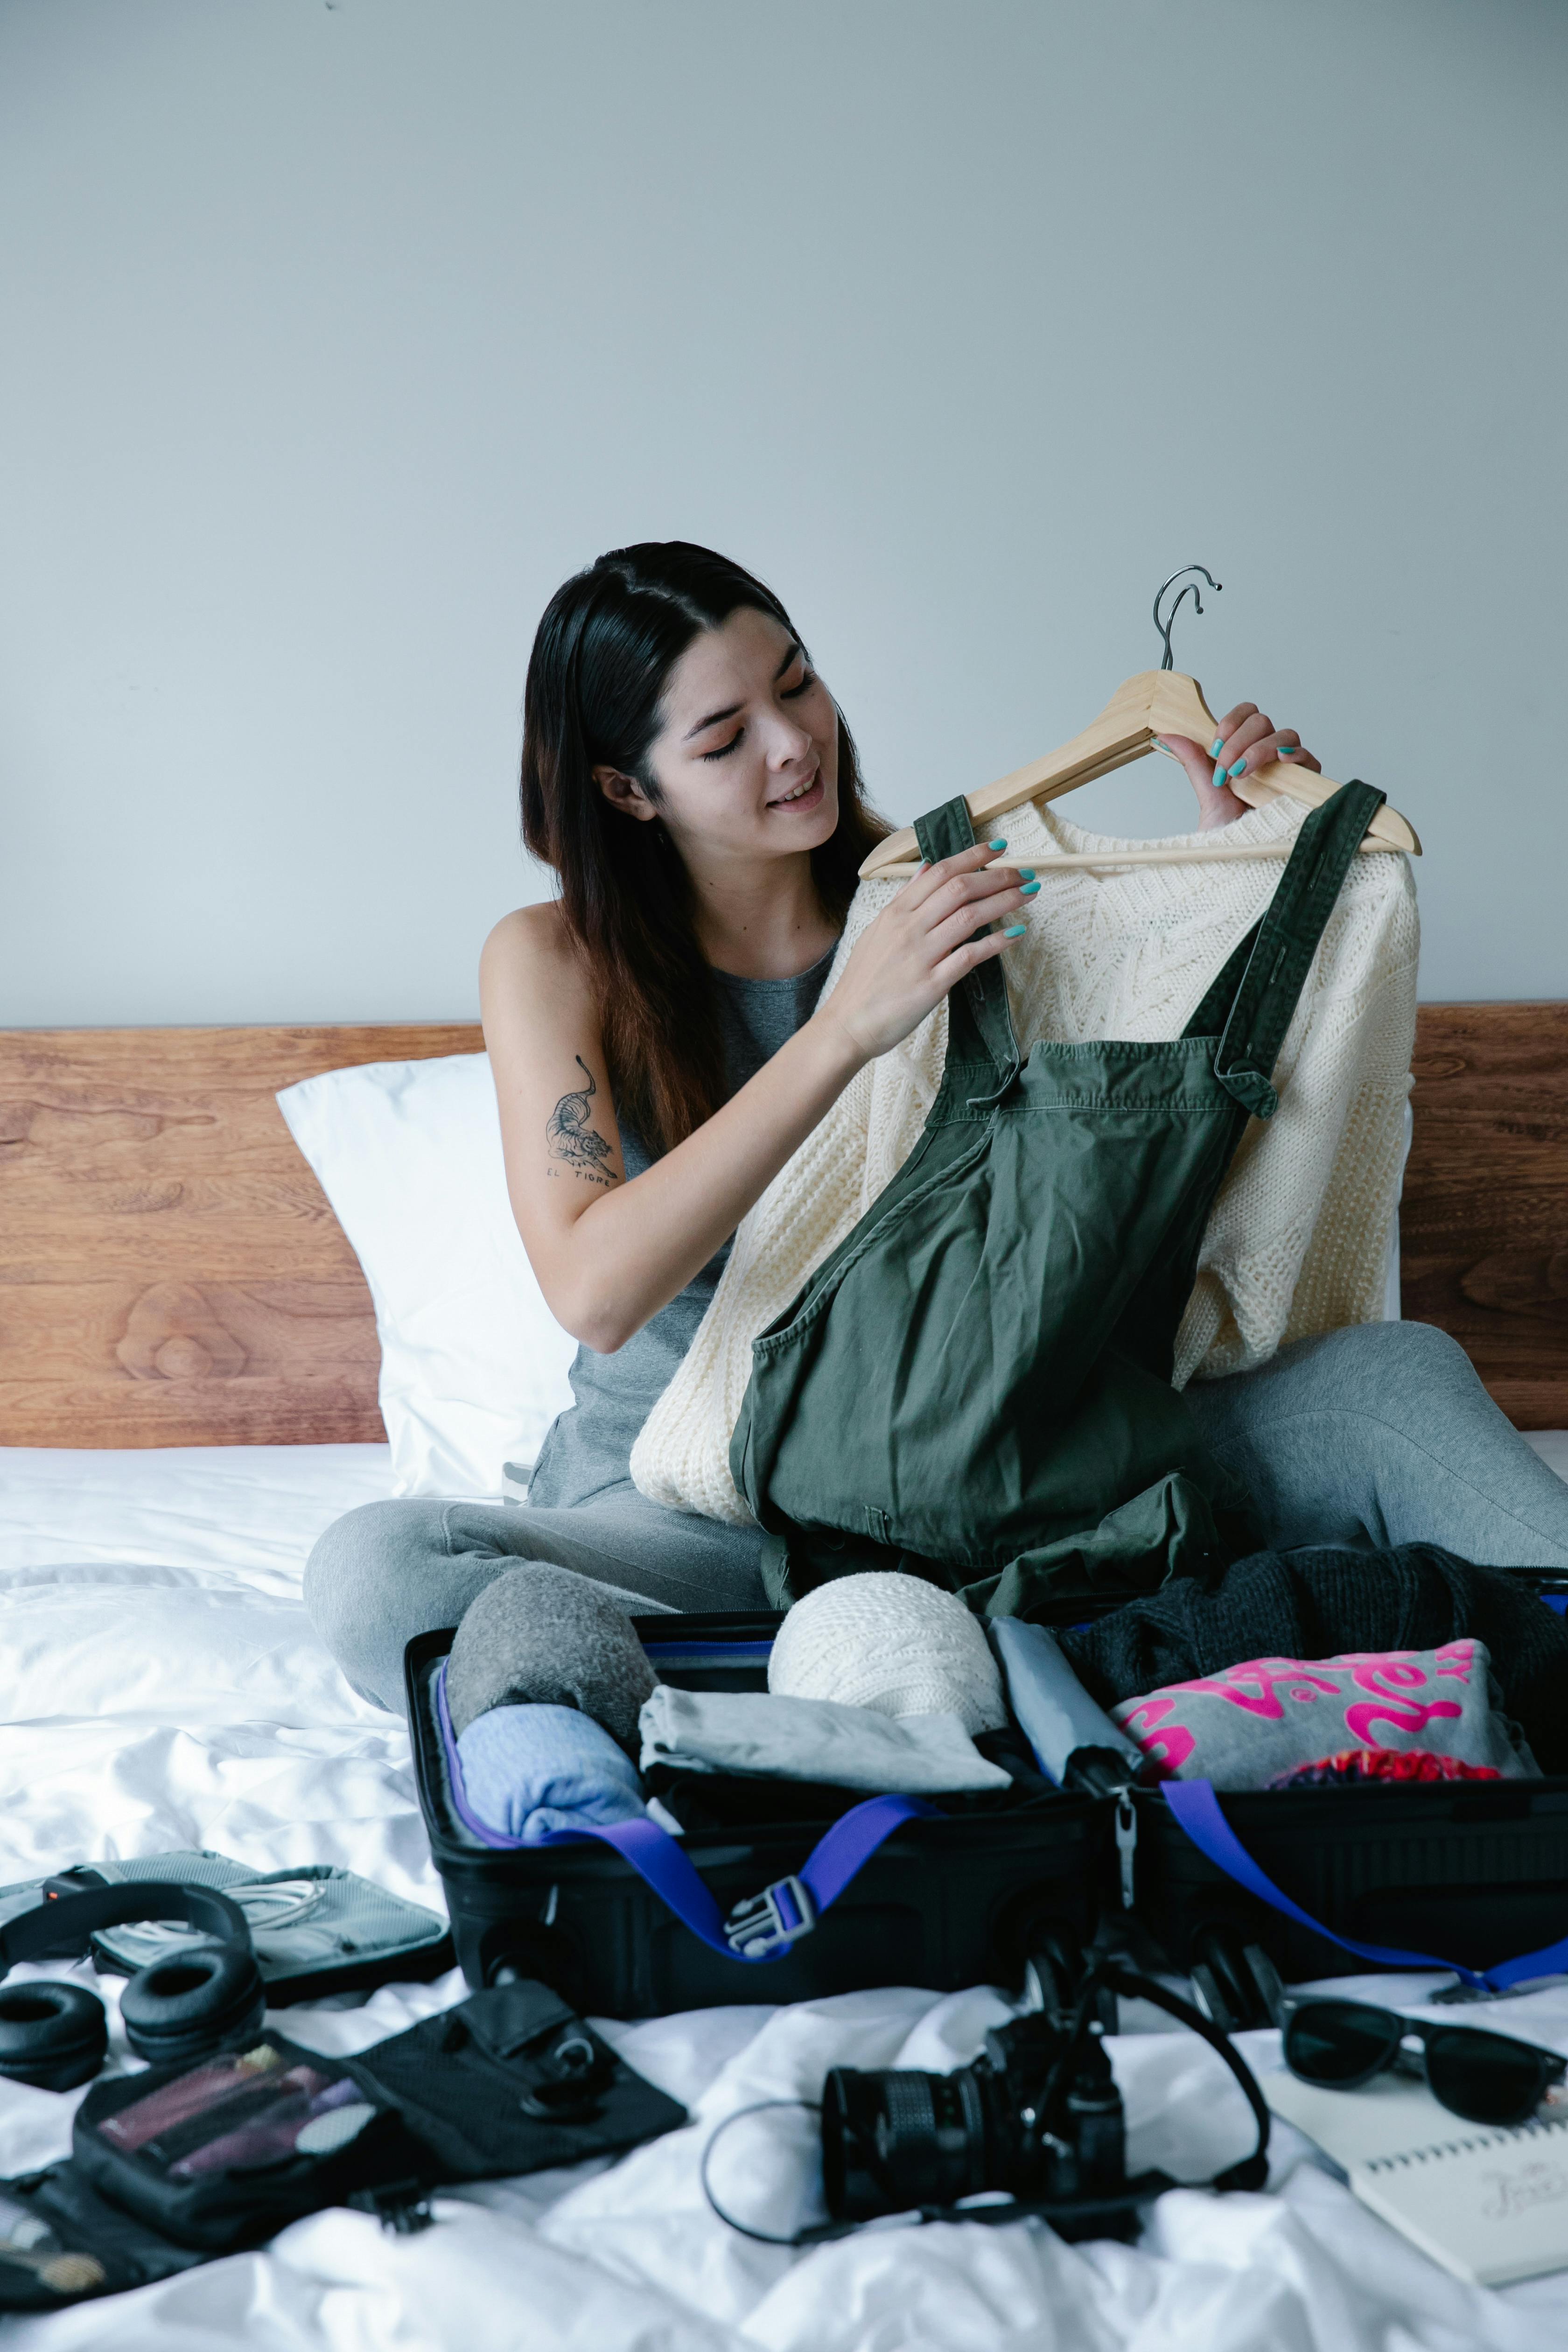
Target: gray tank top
x,y
589,1447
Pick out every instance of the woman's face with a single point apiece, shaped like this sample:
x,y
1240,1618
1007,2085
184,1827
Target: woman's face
x,y
746,759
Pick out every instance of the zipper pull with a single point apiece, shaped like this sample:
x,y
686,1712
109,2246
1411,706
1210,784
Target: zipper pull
x,y
1126,1843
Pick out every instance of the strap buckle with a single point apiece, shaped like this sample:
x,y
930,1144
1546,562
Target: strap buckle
x,y
767,1924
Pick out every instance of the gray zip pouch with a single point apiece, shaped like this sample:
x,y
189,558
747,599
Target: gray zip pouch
x,y
318,1931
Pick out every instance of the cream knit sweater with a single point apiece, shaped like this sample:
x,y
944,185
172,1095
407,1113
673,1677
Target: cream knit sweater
x,y
1297,1237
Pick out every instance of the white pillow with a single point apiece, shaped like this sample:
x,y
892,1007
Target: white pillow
x,y
473,1364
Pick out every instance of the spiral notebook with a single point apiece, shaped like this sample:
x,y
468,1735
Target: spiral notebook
x,y
1490,2206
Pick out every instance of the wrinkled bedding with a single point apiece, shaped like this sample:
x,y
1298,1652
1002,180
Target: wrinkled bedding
x,y
161,1686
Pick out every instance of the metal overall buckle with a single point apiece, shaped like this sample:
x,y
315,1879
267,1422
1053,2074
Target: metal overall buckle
x,y
769,1922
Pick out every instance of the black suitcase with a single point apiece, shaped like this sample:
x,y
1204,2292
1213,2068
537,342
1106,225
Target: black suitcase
x,y
1475,1872
943,1902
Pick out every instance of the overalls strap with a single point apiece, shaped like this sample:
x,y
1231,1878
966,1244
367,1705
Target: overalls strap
x,y
1282,947
1220,995
980,1023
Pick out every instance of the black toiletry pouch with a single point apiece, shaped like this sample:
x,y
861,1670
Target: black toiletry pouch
x,y
513,2081
222,2154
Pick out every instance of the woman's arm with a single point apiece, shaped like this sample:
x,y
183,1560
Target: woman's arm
x,y
609,1254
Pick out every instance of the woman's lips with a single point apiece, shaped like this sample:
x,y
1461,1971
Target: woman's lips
x,y
806,800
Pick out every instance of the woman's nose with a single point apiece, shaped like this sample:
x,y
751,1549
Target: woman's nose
x,y
787,743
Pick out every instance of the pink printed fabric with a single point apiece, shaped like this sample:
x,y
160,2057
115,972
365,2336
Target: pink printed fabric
x,y
1381,1764
1244,1727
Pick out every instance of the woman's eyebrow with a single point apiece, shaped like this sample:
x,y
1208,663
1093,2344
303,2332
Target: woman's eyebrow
x,y
712,720
729,709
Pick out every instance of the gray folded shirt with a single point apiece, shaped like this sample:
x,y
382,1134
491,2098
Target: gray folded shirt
x,y
1244,1727
753,1733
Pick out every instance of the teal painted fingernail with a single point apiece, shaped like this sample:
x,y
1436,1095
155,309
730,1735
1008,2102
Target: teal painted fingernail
x,y
1217,747
1014,930
1288,750
1028,889
1027,872
1219,777
1238,767
996,844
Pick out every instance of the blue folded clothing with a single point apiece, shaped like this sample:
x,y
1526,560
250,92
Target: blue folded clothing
x,y
531,1769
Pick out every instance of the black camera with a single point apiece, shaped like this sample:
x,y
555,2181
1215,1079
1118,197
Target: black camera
x,y
1037,2116
1033,2126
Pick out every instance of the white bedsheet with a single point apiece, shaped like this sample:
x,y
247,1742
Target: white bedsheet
x,y
231,1514
161,1686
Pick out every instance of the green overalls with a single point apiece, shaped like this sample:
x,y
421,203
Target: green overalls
x,y
975,1387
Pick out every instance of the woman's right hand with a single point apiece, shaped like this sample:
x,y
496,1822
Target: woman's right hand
x,y
904,962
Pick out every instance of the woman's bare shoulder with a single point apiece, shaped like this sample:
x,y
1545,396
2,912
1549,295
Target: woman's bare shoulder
x,y
530,935
531,962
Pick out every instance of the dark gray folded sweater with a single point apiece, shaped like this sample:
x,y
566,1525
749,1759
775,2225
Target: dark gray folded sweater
x,y
1320,1602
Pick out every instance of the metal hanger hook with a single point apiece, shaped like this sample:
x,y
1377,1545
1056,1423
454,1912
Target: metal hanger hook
x,y
1191,590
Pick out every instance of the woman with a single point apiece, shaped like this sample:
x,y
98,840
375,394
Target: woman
x,y
658,1054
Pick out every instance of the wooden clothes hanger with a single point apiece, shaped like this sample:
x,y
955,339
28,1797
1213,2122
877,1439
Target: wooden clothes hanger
x,y
1156,702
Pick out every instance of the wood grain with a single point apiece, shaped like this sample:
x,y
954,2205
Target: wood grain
x,y
170,1271
1484,1222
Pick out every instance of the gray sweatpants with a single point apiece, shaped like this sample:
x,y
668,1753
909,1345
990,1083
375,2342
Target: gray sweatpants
x,y
1377,1435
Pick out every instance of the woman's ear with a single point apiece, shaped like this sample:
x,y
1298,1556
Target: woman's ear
x,y
625,793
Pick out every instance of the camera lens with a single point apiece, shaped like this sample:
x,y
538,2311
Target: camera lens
x,y
894,2140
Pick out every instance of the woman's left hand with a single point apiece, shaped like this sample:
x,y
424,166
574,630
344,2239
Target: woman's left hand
x,y
1248,740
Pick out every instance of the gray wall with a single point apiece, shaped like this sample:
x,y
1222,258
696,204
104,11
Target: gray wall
x,y
339,333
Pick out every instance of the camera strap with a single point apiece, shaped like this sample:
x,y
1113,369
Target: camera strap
x,y
1250,2173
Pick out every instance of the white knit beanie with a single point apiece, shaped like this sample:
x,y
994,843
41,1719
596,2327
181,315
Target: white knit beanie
x,y
892,1642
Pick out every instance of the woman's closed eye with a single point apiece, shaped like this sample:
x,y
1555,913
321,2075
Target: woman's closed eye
x,y
786,694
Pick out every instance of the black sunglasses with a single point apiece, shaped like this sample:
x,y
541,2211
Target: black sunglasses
x,y
1487,2078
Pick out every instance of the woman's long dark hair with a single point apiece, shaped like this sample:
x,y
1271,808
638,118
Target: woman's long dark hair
x,y
596,678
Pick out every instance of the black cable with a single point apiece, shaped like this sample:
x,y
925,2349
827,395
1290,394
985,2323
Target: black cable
x,y
761,2237
1252,2171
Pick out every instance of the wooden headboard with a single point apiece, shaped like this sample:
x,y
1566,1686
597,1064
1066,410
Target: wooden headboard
x,y
171,1274
1483,1225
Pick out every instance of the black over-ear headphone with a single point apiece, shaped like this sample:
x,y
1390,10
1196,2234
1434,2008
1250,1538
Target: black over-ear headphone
x,y
177,2011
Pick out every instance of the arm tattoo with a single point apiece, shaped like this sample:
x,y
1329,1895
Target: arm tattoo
x,y
573,1139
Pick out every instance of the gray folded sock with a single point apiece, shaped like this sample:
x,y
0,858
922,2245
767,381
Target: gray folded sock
x,y
546,1635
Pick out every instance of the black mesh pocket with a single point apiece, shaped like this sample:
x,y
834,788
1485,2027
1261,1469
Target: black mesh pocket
x,y
223,2154
62,2242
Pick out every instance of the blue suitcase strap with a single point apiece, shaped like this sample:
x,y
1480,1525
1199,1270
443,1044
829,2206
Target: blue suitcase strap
x,y
765,1926
1197,1810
